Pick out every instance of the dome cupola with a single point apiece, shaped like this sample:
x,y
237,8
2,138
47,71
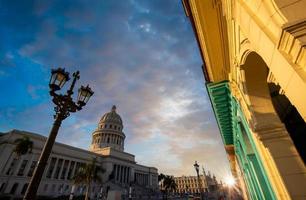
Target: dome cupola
x,y
109,132
111,117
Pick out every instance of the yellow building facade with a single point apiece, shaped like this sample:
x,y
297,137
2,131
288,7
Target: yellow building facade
x,y
254,55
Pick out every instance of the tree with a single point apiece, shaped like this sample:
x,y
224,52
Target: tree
x,y
169,184
87,174
23,146
161,177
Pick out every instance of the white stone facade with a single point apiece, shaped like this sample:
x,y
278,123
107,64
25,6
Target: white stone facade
x,y
190,184
121,168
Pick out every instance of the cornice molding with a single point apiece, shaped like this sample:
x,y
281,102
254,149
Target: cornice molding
x,y
292,42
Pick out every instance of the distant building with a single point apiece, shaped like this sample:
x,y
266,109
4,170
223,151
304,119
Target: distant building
x,y
107,147
191,185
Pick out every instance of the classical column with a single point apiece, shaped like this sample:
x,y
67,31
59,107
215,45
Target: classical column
x,y
61,170
114,171
68,167
125,174
73,170
54,168
26,170
283,160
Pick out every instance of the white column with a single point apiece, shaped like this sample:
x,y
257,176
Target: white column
x,y
61,170
26,170
54,168
115,171
74,168
67,170
122,175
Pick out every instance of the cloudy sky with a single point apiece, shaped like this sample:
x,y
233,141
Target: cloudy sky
x,y
139,55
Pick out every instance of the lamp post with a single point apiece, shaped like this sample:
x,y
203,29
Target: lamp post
x,y
196,167
130,192
64,106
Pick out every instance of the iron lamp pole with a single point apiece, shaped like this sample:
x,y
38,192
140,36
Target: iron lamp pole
x,y
64,106
196,167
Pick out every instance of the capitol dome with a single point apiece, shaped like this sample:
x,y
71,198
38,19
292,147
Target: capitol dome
x,y
109,132
111,117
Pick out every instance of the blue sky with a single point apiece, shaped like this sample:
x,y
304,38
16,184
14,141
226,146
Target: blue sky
x,y
139,55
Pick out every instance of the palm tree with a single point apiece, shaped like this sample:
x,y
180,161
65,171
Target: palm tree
x,y
169,184
161,178
22,146
87,174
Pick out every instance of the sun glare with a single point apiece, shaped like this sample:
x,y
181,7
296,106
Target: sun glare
x,y
230,181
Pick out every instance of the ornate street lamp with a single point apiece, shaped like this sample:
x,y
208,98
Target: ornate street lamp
x,y
64,106
196,167
130,191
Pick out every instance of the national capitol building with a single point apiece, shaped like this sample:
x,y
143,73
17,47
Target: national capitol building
x,y
107,147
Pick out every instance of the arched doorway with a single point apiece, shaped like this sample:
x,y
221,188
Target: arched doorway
x,y
292,119
269,107
256,88
275,129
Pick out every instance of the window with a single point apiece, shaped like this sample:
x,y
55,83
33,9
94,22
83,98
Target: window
x,y
14,188
51,167
60,189
110,126
66,188
53,188
105,126
79,189
22,167
115,127
46,187
32,167
77,167
64,169
24,188
58,168
107,139
10,171
69,176
2,187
